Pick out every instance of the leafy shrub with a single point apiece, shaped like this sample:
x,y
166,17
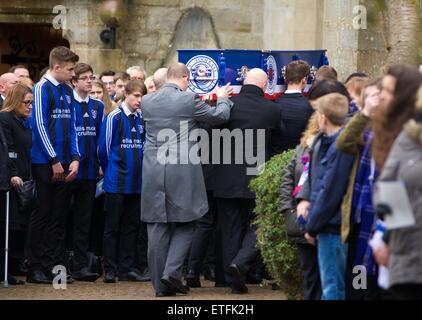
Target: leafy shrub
x,y
280,256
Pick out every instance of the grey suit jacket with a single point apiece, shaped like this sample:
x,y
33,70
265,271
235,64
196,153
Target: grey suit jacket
x,y
173,188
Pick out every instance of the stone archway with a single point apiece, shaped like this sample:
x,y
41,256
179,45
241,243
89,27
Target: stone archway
x,y
195,29
18,46
27,35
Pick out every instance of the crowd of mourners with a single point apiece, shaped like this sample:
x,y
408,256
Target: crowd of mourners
x,y
71,179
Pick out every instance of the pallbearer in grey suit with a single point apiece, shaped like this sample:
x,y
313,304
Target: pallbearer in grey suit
x,y
173,194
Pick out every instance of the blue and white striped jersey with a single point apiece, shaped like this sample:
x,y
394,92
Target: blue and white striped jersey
x,y
121,152
53,123
89,117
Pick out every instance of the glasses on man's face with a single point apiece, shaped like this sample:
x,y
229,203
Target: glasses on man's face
x,y
27,102
85,78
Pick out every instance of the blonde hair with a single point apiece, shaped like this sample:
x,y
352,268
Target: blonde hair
x,y
109,105
334,106
311,131
15,97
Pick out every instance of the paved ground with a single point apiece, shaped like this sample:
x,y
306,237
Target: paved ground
x,y
130,291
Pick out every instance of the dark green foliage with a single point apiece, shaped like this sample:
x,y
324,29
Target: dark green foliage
x,y
280,256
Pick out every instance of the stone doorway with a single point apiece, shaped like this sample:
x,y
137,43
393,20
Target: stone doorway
x,y
28,44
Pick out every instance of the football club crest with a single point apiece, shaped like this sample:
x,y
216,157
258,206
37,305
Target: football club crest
x,y
272,74
68,99
94,114
203,74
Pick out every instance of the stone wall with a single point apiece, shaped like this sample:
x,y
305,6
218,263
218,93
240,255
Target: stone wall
x,y
155,28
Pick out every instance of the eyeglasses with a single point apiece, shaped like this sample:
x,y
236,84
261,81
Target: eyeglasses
x,y
92,78
27,102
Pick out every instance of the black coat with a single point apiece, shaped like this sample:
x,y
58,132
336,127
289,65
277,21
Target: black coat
x,y
1,102
295,112
4,156
18,139
250,111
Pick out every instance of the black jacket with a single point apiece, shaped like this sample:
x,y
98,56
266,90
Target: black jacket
x,y
250,111
18,139
1,102
295,112
4,156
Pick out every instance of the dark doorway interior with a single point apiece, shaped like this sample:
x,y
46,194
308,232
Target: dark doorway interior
x,y
28,44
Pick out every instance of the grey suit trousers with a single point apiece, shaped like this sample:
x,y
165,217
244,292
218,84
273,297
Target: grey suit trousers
x,y
168,246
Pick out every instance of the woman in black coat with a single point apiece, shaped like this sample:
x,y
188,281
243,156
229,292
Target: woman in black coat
x,y
14,120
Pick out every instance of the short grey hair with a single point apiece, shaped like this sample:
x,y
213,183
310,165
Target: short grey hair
x,y
137,68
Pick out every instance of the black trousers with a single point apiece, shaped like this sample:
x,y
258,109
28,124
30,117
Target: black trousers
x,y
97,226
308,258
83,192
410,291
203,245
122,220
236,235
46,234
17,238
141,258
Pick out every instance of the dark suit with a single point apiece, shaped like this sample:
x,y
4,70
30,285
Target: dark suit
x,y
1,102
236,236
295,112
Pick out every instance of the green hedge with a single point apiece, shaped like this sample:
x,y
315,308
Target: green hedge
x,y
280,256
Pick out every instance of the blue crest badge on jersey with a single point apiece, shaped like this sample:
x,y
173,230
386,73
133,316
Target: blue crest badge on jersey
x,y
94,114
68,99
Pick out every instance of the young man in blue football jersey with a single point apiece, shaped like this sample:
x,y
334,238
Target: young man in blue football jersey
x,y
55,163
89,115
121,152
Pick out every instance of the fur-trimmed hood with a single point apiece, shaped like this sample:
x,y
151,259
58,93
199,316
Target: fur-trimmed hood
x,y
414,131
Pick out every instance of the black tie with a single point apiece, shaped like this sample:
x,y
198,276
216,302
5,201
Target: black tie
x,y
132,120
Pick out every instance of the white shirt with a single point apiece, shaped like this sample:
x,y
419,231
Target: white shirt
x,y
127,111
292,91
53,80
79,99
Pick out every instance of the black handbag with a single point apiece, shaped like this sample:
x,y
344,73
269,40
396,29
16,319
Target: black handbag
x,y
26,194
293,228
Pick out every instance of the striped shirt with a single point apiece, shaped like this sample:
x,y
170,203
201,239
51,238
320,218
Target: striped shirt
x,y
89,116
121,151
53,123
